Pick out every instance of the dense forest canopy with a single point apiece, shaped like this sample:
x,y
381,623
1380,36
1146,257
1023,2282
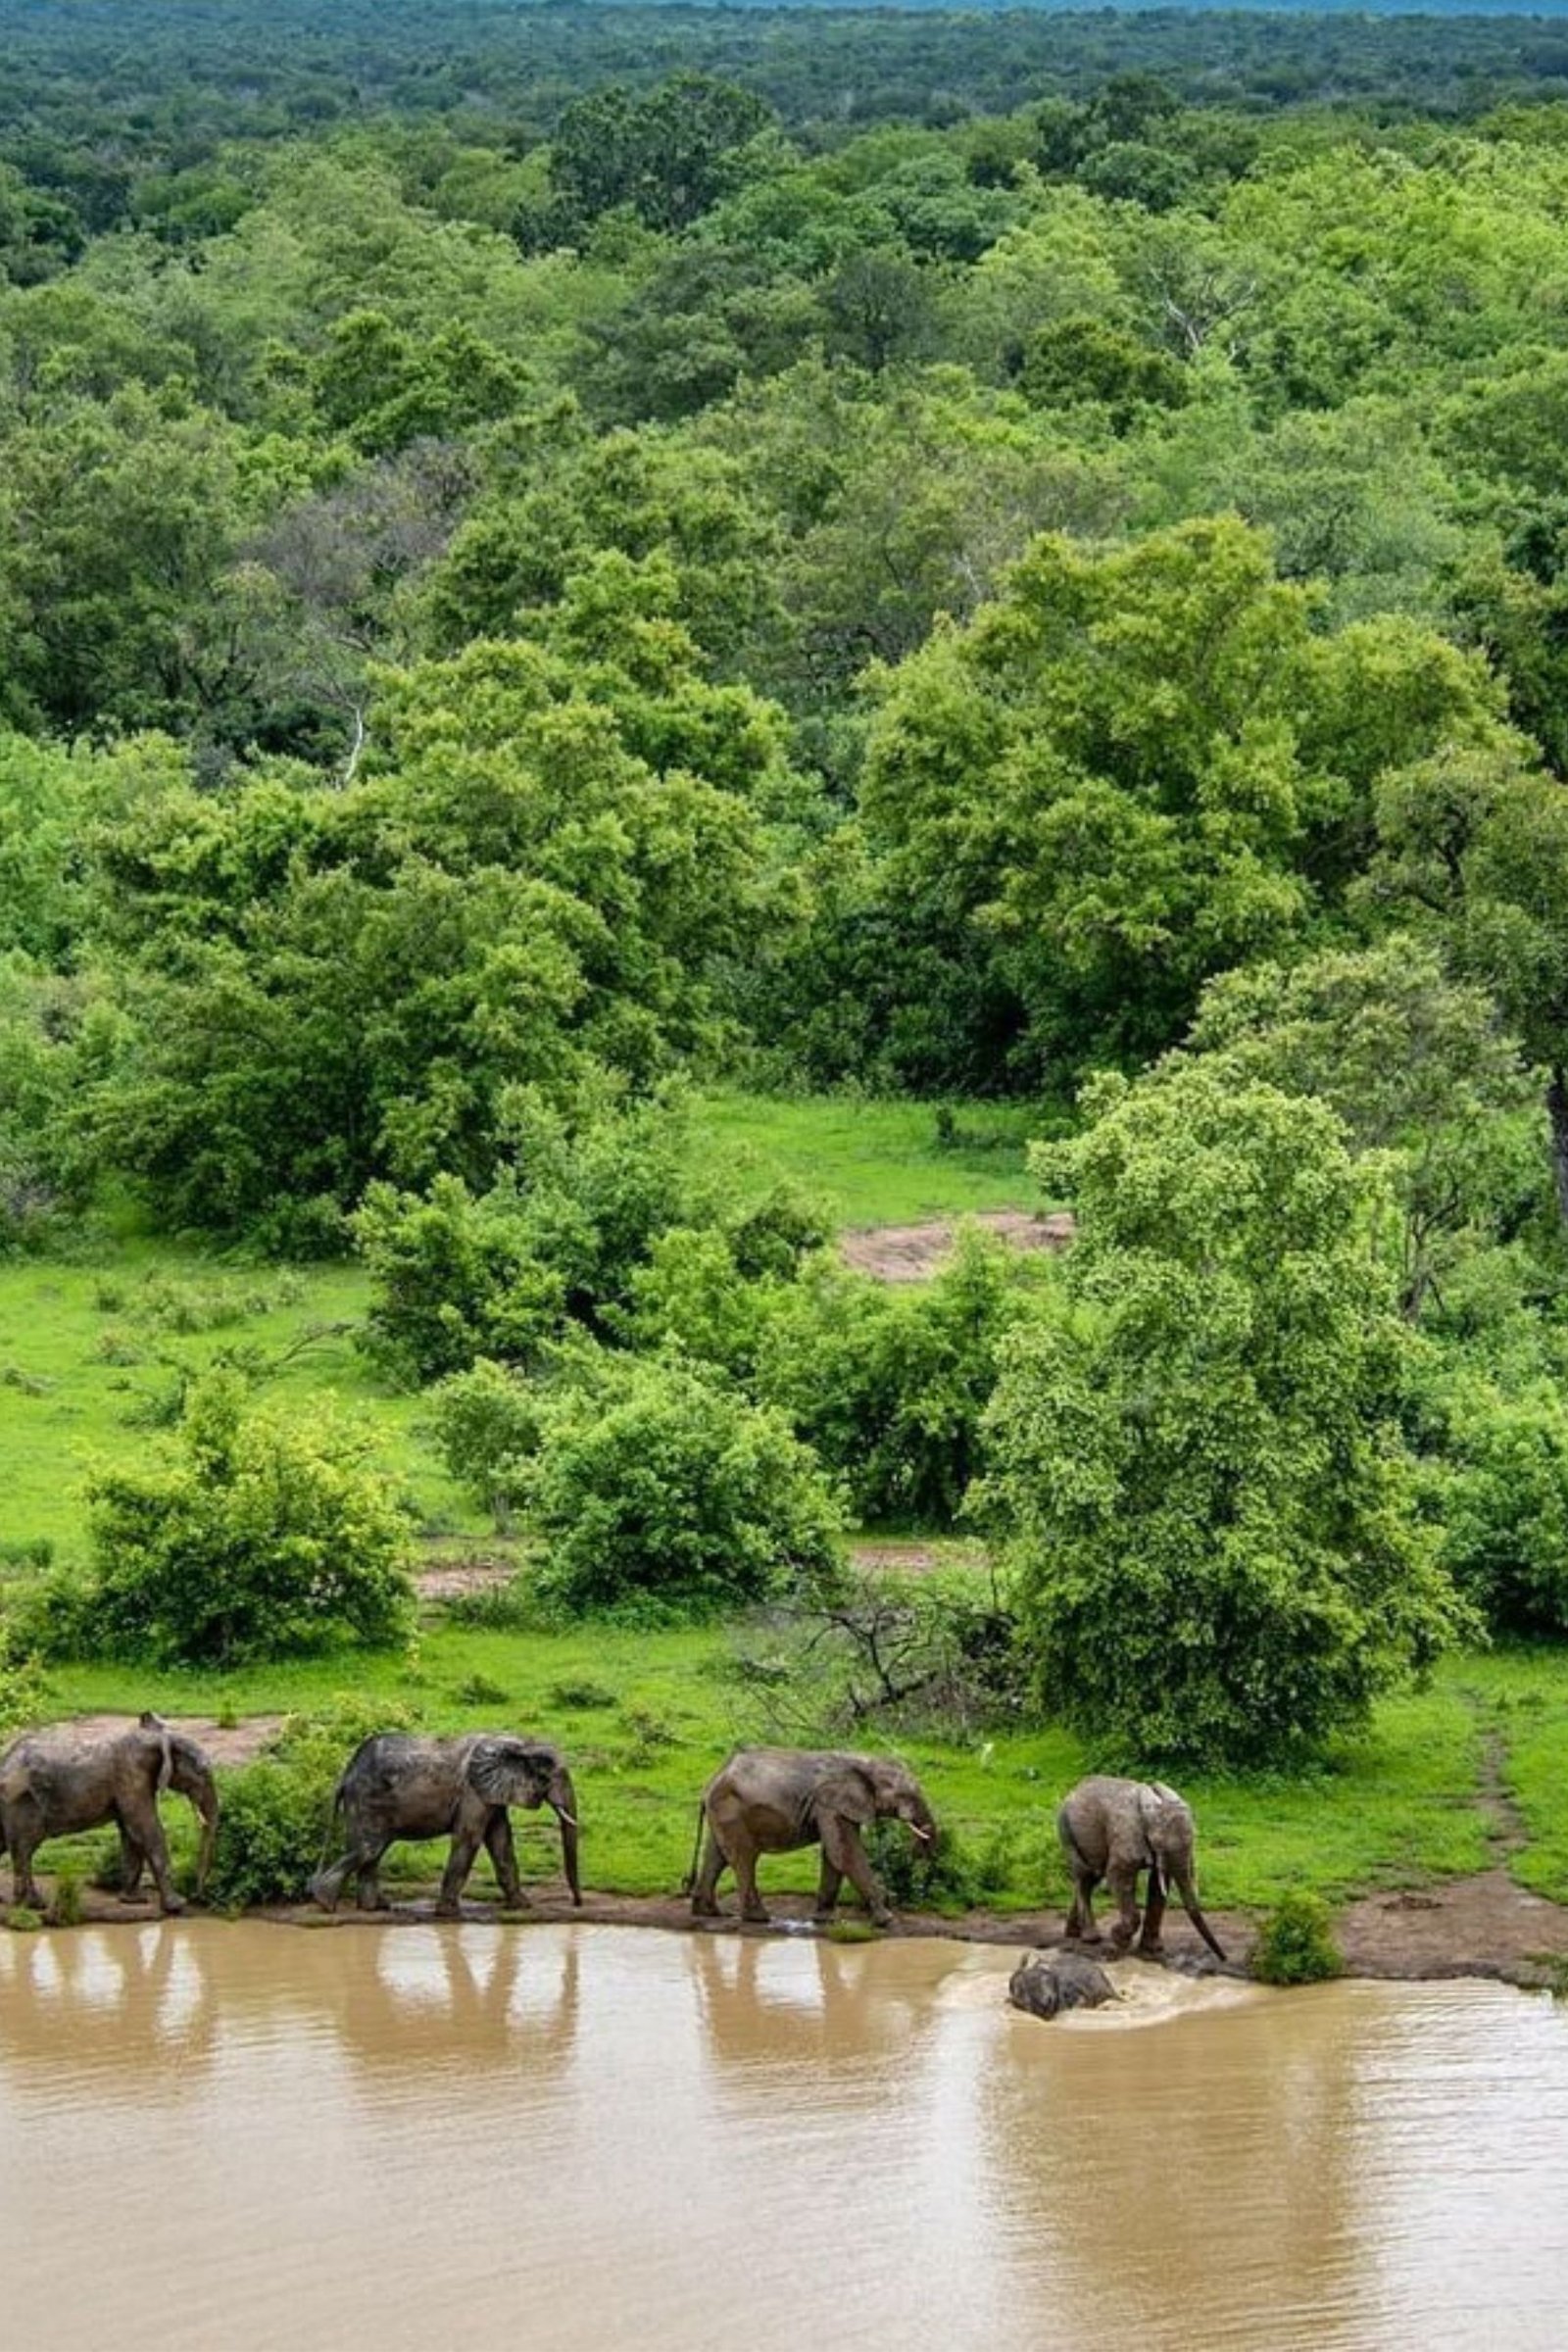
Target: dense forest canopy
x,y
544,552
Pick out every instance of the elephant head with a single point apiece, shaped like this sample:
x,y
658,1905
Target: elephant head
x,y
1169,1832
502,1771
862,1788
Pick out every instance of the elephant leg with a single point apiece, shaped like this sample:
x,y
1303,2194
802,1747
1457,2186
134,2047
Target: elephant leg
x,y
1122,1880
743,1857
24,1843
1149,1942
147,1832
843,1851
704,1892
1081,1927
461,1860
828,1888
132,1863
366,1868
503,1855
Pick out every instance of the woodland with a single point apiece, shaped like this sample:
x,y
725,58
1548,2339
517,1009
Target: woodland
x,y
571,575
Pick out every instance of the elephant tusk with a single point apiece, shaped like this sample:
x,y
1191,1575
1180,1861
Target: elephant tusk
x,y
571,1819
916,1830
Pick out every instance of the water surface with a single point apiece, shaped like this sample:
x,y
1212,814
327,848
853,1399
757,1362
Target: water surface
x,y
249,2138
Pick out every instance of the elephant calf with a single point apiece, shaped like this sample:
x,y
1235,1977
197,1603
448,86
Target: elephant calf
x,y
773,1800
398,1787
1113,1829
54,1783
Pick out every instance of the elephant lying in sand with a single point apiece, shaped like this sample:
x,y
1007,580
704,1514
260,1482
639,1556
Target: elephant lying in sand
x,y
56,1782
773,1800
398,1787
1113,1829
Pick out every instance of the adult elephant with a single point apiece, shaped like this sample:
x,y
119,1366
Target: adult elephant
x,y
395,1785
1113,1829
773,1800
56,1782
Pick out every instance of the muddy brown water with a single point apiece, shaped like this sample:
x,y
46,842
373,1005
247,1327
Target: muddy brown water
x,y
249,2138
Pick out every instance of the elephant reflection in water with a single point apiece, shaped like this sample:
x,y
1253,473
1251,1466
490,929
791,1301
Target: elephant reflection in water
x,y
127,2002
399,2000
799,2001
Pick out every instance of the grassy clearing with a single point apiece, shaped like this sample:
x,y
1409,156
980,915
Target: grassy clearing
x,y
647,1717
91,1356
92,1349
873,1162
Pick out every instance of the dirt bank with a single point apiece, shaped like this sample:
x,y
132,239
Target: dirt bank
x,y
1477,1927
914,1252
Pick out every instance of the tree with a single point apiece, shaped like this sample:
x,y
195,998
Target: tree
x,y
1417,1063
1133,770
666,155
1198,1476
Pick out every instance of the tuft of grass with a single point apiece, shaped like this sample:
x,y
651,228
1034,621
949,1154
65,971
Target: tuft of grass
x,y
853,1931
582,1697
66,1910
23,1920
481,1690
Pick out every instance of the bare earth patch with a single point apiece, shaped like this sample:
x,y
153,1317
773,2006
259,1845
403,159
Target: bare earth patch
x,y
914,1252
456,1580
224,1743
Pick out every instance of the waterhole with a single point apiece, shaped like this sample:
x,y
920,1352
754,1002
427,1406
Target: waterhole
x,y
251,2137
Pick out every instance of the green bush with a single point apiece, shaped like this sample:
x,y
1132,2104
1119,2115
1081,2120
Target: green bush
x,y
1502,1497
276,1812
485,1422
654,1483
939,1877
21,1686
890,1387
263,1537
1296,1943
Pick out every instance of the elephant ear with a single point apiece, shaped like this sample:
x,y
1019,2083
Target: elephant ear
x,y
508,1772
848,1792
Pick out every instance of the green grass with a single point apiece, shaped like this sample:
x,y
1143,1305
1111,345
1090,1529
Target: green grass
x,y
1524,1696
86,1350
646,1718
872,1163
88,1346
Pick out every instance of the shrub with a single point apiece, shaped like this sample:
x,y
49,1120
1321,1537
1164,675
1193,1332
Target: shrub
x,y
938,1877
1296,1943
486,1427
21,1686
276,1812
1504,1501
265,1536
651,1482
890,1387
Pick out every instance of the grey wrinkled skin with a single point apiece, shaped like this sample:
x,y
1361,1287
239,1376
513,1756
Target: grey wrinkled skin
x,y
1048,1982
1113,1829
56,1782
773,1800
395,1785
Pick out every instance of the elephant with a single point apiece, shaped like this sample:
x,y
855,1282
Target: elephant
x,y
395,1785
56,1782
1112,1830
1047,1983
773,1800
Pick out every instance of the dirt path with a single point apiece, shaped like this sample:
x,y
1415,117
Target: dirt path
x,y
224,1743
914,1252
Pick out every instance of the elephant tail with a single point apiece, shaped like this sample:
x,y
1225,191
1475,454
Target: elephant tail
x,y
689,1882
1074,1850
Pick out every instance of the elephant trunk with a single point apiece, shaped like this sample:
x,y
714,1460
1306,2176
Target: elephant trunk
x,y
562,1797
205,1806
1190,1904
